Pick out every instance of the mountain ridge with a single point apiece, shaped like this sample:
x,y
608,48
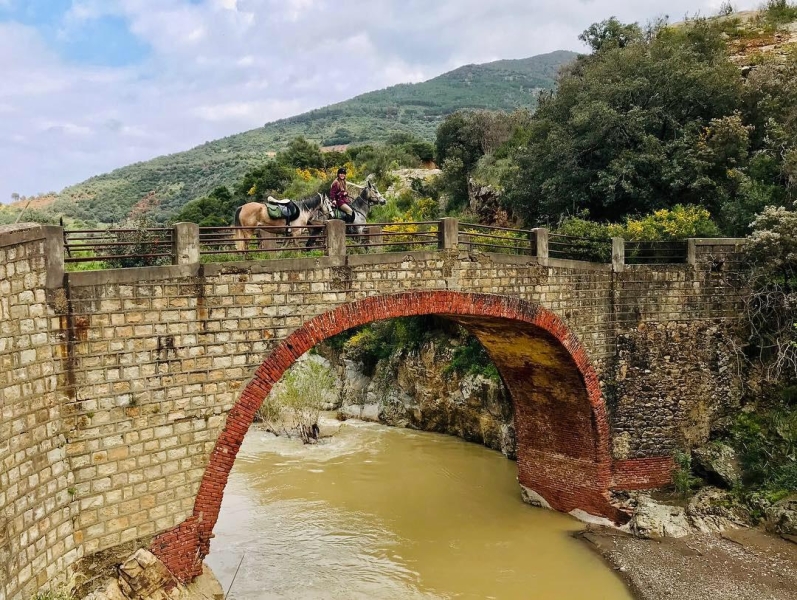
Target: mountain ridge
x,y
412,108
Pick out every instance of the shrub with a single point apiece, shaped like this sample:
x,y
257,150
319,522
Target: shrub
x,y
471,358
295,404
767,445
682,477
142,245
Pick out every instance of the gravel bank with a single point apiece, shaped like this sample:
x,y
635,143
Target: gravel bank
x,y
743,564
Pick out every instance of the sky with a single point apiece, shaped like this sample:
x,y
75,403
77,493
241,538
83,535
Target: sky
x,y
92,85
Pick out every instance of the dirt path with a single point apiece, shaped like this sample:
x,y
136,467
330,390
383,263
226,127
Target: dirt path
x,y
737,565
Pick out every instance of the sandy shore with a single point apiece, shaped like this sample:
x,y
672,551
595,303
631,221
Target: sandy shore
x,y
744,564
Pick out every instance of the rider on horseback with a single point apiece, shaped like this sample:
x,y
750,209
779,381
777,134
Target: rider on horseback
x,y
340,196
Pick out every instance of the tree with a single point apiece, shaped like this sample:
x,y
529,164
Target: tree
x,y
301,154
296,401
270,179
610,34
215,210
623,133
771,306
463,138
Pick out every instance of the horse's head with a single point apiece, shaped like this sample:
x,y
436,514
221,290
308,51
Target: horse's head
x,y
372,194
326,208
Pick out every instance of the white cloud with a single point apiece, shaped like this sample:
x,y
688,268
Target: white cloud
x,y
223,66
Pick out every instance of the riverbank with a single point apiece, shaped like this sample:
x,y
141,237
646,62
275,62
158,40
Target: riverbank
x,y
739,564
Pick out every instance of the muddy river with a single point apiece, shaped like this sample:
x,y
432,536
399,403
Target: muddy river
x,y
378,512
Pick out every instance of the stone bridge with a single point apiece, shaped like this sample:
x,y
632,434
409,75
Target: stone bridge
x,y
126,393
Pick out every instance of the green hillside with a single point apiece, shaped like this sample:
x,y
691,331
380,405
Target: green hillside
x,y
372,117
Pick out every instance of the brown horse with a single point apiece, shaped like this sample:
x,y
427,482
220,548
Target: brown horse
x,y
252,215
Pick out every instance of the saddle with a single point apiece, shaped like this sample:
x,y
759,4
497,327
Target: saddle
x,y
282,209
346,218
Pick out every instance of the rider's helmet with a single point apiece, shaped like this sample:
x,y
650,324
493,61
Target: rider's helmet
x,y
341,170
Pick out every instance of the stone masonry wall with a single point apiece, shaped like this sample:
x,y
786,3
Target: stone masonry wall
x,y
37,506
148,362
675,372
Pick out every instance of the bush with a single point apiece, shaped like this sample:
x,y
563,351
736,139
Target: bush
x,y
295,403
766,442
780,11
770,307
141,245
471,358
682,477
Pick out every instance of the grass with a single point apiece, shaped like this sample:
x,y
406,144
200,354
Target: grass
x,y
779,12
256,255
59,594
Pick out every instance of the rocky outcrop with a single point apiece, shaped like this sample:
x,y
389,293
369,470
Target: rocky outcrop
x,y
710,510
416,390
144,577
718,464
781,518
485,202
655,520
714,510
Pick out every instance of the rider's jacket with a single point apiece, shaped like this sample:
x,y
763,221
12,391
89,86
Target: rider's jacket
x,y
338,193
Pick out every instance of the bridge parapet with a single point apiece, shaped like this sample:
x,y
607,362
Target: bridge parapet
x,y
139,368
188,244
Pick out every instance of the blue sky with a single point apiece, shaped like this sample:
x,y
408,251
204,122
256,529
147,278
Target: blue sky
x,y
92,85
105,40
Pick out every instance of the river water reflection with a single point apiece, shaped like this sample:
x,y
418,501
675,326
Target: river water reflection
x,y
377,512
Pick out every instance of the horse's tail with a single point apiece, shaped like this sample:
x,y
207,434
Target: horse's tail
x,y
237,221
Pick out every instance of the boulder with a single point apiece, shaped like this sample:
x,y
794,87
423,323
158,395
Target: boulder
x,y
715,510
781,518
654,520
718,464
143,576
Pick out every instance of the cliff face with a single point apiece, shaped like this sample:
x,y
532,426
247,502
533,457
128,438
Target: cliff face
x,y
415,390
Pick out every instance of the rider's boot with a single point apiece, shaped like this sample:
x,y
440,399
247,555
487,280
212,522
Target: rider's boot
x,y
349,212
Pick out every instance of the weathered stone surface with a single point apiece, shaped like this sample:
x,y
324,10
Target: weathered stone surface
x,y
717,463
204,587
713,509
654,520
781,518
144,577
415,390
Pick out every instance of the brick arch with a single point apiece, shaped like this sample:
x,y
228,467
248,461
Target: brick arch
x,y
561,419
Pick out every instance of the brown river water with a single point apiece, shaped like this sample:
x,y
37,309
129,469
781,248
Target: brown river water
x,y
384,513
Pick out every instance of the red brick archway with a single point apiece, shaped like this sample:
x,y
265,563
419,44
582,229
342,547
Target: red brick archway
x,y
560,416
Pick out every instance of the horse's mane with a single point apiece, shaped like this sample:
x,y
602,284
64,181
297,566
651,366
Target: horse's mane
x,y
360,203
310,202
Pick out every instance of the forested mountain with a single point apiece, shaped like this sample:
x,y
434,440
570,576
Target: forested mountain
x,y
415,109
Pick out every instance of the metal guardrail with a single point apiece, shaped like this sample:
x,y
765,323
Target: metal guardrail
x,y
120,247
503,240
259,242
579,248
396,237
656,253
116,248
